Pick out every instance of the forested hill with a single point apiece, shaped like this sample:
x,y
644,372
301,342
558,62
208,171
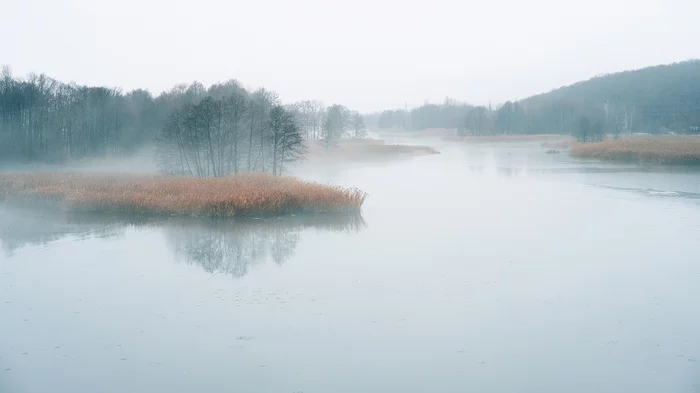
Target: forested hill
x,y
653,99
656,99
640,87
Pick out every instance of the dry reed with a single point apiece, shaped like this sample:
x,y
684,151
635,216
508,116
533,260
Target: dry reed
x,y
648,150
507,138
239,195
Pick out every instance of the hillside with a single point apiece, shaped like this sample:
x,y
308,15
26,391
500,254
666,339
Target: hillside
x,y
652,99
657,99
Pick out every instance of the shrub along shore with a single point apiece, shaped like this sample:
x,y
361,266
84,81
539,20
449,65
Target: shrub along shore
x,y
238,195
673,150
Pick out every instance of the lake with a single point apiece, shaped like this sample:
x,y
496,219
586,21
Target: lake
x,y
487,268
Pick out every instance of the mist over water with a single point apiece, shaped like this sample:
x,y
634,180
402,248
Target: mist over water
x,y
488,268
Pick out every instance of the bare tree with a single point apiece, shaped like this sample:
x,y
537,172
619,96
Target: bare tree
x,y
335,125
260,103
358,126
627,120
319,116
285,138
234,112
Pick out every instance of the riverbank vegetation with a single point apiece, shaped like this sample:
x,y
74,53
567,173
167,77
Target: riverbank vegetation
x,y
238,195
509,138
674,150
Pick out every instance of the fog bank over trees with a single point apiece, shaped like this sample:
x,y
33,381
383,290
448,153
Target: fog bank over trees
x,y
198,131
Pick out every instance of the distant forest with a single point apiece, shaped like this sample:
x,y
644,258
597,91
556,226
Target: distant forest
x,y
225,128
660,99
198,131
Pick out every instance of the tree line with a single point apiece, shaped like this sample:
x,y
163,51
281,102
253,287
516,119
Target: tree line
x,y
198,131
249,132
656,100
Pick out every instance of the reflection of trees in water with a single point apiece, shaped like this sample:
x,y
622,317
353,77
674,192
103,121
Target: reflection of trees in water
x,y
217,245
234,251
233,247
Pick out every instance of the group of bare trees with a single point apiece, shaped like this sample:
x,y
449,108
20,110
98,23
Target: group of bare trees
x,y
245,132
233,130
42,119
238,132
198,131
328,125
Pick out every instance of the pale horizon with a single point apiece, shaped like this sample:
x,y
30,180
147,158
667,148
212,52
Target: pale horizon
x,y
370,56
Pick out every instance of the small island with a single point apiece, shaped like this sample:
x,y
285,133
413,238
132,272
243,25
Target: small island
x,y
254,194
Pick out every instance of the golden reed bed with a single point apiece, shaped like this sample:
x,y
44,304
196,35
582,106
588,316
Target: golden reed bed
x,y
512,138
652,150
239,195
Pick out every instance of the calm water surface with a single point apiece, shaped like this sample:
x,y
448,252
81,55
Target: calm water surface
x,y
489,268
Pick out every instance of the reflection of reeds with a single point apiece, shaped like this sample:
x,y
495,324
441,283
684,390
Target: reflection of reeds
x,y
339,222
217,244
245,194
659,150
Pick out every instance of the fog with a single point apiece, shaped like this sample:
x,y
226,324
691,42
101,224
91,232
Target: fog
x,y
369,55
370,197
483,261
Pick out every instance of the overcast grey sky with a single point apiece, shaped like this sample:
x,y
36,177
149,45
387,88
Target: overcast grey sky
x,y
367,54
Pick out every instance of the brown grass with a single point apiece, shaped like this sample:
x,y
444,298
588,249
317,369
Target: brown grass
x,y
507,138
367,149
239,195
677,150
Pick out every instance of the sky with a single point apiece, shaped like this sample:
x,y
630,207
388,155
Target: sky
x,y
366,54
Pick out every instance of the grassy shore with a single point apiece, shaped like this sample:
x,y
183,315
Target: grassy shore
x,y
508,138
673,150
239,195
367,149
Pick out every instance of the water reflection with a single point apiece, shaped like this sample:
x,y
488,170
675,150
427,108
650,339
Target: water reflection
x,y
223,246
217,245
